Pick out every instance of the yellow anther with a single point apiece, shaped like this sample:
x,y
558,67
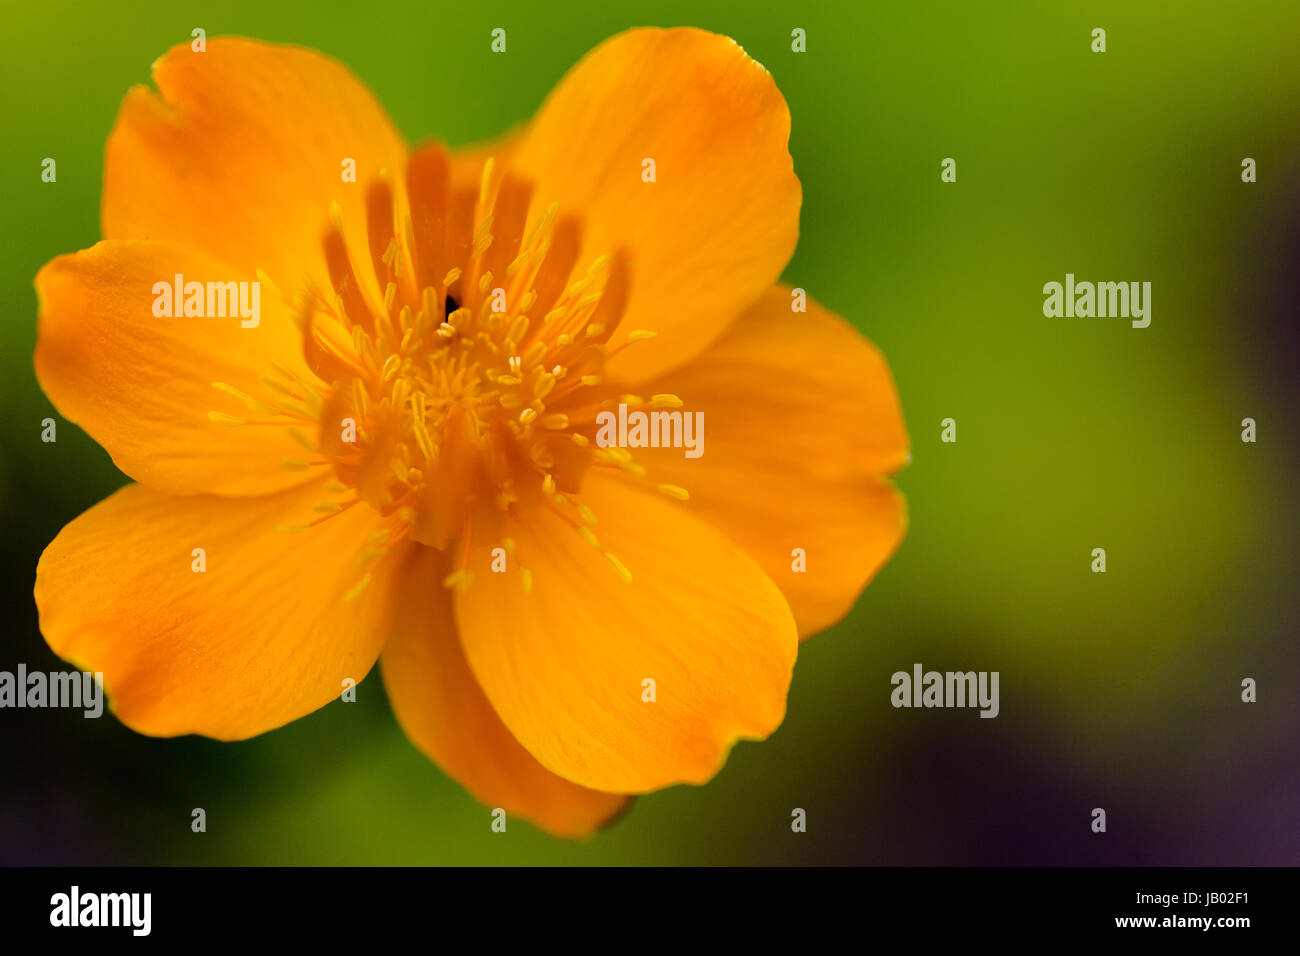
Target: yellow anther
x,y
460,580
302,439
535,352
357,588
265,281
619,567
231,390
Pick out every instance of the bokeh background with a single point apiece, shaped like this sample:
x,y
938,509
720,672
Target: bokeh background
x,y
1119,690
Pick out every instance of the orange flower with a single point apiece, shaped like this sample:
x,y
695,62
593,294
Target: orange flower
x,y
398,460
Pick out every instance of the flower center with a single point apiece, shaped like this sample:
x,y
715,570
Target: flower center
x,y
460,360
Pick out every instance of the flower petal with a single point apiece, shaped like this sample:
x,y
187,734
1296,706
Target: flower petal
x,y
720,221
265,635
142,385
801,421
564,665
442,709
241,152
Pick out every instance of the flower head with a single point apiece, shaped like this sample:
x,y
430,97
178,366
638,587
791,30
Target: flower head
x,y
395,448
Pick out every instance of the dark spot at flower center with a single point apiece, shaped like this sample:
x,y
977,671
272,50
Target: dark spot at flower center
x,y
452,306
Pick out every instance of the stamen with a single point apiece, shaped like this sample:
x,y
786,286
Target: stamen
x,y
358,587
231,390
459,580
619,567
437,401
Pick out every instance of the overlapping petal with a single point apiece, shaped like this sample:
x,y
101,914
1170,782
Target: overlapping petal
x,y
142,385
801,425
240,153
442,709
720,221
566,665
266,634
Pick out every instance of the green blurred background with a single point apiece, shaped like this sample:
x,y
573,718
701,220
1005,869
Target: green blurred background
x,y
1118,690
